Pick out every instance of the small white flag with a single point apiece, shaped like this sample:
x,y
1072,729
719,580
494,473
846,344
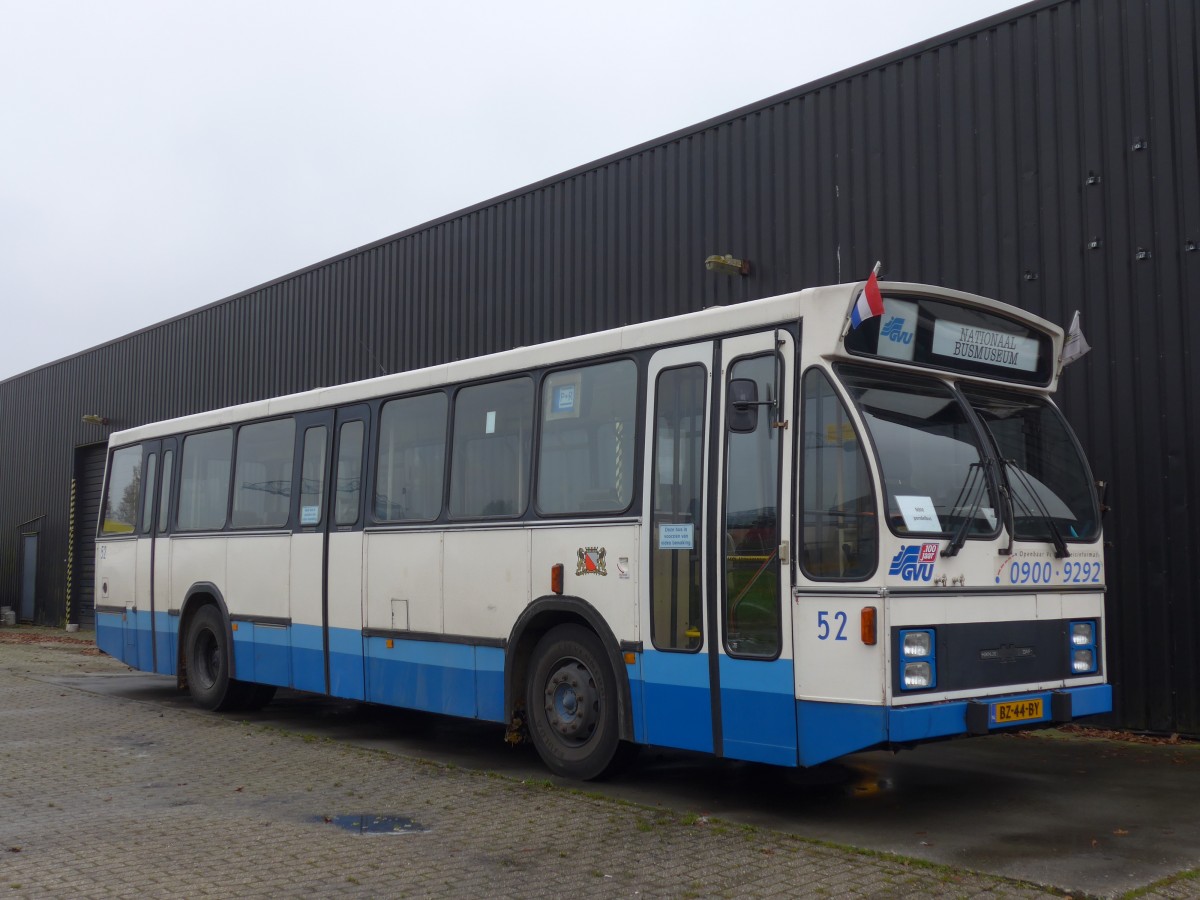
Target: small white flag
x,y
1076,344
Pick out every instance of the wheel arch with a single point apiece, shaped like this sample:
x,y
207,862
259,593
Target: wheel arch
x,y
200,594
537,619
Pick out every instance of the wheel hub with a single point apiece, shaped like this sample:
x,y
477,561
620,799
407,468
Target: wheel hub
x,y
572,701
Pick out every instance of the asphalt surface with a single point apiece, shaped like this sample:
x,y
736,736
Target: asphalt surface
x,y
114,785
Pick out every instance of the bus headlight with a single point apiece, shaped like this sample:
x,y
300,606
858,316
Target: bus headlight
x,y
1081,643
917,644
917,675
918,665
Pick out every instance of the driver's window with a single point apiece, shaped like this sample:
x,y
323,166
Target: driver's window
x,y
838,529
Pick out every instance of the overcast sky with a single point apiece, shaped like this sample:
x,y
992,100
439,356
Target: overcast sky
x,y
158,155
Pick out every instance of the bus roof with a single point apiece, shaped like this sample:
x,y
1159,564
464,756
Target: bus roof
x,y
824,311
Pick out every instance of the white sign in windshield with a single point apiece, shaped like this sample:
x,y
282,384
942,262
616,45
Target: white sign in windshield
x,y
919,513
996,348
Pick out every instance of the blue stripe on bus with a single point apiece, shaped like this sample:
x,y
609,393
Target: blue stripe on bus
x,y
263,653
110,634
830,730
671,702
127,636
454,679
347,670
308,658
678,707
758,710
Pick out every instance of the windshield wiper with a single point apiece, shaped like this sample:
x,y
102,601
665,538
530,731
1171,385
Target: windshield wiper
x,y
1060,545
974,480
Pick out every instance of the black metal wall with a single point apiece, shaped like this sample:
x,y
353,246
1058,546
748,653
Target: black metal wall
x,y
1048,157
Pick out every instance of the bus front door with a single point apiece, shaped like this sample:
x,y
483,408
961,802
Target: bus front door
x,y
753,679
716,664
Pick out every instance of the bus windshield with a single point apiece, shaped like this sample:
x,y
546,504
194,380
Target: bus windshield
x,y
1047,477
933,473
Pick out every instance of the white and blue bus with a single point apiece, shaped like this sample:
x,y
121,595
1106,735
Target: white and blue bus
x,y
766,531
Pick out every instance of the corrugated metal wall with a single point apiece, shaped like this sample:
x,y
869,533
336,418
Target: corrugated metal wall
x,y
1047,157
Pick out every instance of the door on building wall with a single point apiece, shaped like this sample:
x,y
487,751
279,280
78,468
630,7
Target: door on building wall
x,y
89,483
29,555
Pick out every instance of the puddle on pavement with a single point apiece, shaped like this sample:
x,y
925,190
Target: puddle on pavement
x,y
367,824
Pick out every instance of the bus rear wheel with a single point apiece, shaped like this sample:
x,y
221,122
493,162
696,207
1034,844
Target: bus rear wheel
x,y
571,704
206,655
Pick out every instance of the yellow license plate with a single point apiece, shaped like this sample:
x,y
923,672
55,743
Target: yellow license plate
x,y
1017,711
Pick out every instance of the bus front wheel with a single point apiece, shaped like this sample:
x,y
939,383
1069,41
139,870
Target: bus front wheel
x,y
571,703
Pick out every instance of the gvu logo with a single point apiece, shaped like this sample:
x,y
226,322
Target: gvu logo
x,y
893,330
914,563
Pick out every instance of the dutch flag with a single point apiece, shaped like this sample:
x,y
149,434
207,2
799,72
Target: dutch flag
x,y
869,303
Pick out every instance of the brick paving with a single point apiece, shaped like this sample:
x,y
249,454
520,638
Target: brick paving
x,y
103,796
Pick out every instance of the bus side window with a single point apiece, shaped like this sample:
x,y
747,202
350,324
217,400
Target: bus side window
x,y
585,459
262,478
124,491
349,473
312,476
838,523
493,440
164,499
148,493
412,457
676,561
204,482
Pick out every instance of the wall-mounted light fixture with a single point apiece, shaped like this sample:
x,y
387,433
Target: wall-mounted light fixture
x,y
727,264
96,420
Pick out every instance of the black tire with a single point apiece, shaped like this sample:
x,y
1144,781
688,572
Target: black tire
x,y
571,703
206,655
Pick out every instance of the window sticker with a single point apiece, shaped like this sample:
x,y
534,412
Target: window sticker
x,y
490,425
676,537
564,399
897,329
310,515
919,513
984,345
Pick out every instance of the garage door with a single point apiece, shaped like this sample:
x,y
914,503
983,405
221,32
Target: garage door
x,y
89,482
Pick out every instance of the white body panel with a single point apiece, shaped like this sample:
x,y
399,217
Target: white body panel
x,y
196,560
258,569
305,566
615,592
404,581
486,577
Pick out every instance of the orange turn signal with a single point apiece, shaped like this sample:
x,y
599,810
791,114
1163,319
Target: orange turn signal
x,y
556,578
869,635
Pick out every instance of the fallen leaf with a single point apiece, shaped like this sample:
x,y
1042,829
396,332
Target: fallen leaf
x,y
1120,832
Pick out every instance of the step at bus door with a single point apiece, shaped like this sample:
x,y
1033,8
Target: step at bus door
x,y
753,678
